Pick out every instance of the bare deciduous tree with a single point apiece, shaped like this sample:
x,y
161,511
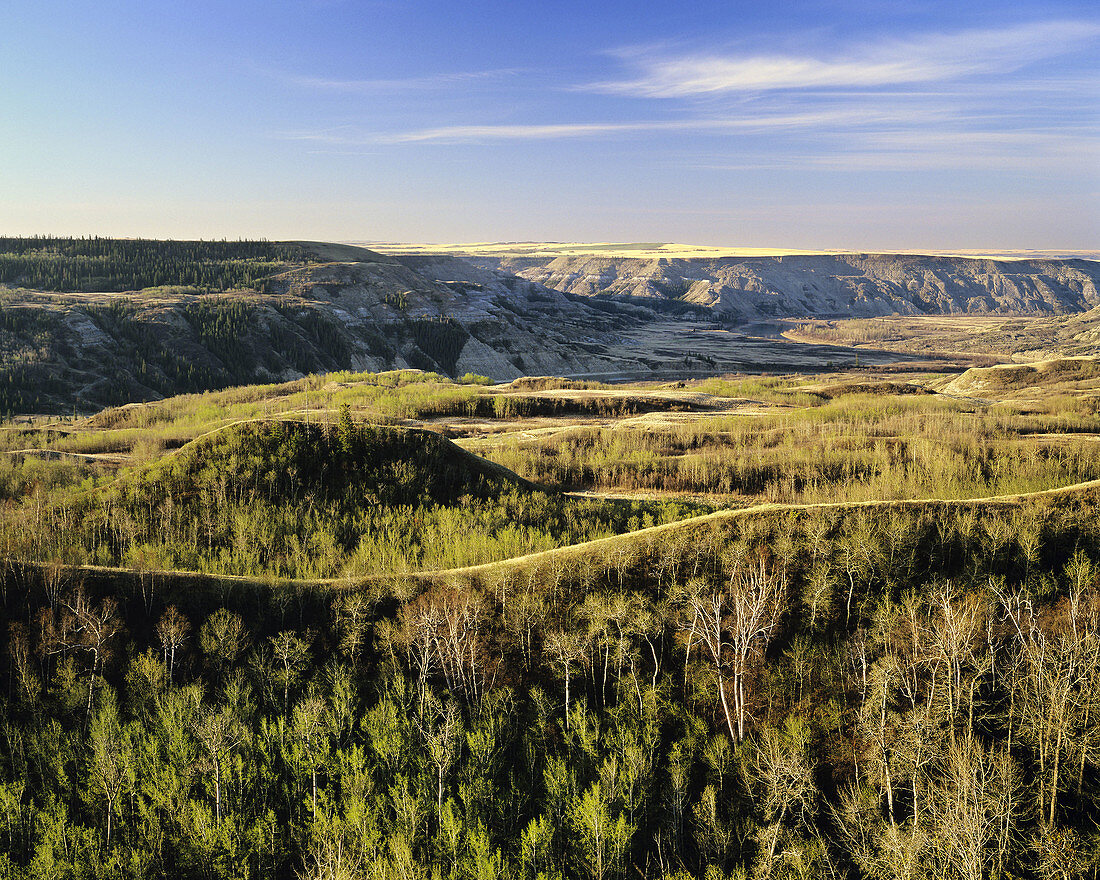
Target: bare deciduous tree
x,y
734,624
172,631
220,733
565,648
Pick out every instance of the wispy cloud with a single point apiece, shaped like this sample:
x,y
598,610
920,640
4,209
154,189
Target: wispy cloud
x,y
562,131
750,123
338,134
925,59
454,134
964,101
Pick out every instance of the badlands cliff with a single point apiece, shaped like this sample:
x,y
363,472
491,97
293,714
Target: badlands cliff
x,y
866,285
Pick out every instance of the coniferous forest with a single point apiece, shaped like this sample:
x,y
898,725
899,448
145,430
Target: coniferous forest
x,y
117,264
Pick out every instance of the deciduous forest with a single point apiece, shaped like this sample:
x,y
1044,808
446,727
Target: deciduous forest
x,y
841,694
292,631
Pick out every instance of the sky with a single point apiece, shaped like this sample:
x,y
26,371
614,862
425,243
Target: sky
x,y
872,125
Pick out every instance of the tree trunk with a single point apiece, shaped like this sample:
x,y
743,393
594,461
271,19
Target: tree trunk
x,y
889,788
91,680
775,837
725,708
885,757
1054,778
567,696
1084,751
439,795
687,650
603,684
741,703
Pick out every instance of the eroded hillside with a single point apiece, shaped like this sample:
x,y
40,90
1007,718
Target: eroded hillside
x,y
85,340
76,333
859,285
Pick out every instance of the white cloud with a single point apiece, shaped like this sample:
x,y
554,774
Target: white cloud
x,y
553,131
560,131
934,102
926,59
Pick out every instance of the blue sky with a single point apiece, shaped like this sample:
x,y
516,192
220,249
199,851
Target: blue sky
x,y
869,125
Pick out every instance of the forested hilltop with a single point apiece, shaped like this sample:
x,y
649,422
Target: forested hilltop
x,y
385,656
296,500
114,264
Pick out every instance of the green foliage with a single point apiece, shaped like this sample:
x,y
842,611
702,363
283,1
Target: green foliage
x,y
915,693
441,340
298,500
858,447
772,389
155,365
917,737
324,334
221,326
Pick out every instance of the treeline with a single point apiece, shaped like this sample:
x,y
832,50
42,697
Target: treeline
x,y
382,397
108,264
325,334
910,694
28,338
519,406
28,387
144,353
441,340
